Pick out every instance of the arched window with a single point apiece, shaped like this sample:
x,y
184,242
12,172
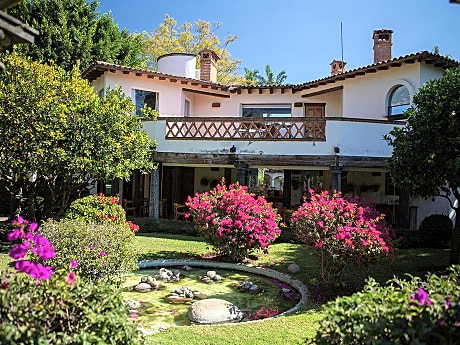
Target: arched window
x,y
399,100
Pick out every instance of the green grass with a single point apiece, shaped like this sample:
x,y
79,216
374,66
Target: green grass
x,y
291,329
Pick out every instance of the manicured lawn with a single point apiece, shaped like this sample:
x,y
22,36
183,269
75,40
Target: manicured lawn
x,y
285,330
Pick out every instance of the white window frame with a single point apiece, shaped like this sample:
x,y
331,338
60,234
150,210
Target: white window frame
x,y
133,97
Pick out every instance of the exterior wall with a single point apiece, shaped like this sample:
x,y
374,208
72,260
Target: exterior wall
x,y
434,205
365,96
353,138
210,175
171,99
231,107
99,84
428,72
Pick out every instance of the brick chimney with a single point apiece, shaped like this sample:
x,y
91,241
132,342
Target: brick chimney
x,y
208,65
382,45
336,67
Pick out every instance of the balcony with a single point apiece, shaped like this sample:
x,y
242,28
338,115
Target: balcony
x,y
272,137
248,129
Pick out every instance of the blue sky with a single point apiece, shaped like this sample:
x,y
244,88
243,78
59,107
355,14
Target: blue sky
x,y
303,36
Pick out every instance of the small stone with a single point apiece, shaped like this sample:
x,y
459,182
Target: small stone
x,y
217,278
211,274
284,290
142,287
144,279
206,279
253,288
150,280
187,268
176,273
132,304
294,268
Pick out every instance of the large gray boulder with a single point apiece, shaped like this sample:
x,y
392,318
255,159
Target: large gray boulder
x,y
213,311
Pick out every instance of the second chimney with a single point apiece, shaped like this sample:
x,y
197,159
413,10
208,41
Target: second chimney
x,y
337,67
208,65
382,45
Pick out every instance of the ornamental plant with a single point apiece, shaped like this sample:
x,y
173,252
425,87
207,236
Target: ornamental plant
x,y
50,305
99,208
34,247
104,251
342,233
413,311
233,221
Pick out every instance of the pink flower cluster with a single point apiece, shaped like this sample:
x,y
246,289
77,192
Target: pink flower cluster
x,y
233,221
341,232
263,313
34,242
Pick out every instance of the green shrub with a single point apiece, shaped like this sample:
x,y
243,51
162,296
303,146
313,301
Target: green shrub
x,y
403,312
435,231
98,208
56,312
103,251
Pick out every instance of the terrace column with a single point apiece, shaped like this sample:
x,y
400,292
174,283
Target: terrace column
x,y
154,205
336,179
287,188
241,173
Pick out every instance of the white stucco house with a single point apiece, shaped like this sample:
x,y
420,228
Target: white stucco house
x,y
325,133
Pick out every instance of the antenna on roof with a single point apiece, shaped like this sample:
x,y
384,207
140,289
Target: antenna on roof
x,y
341,44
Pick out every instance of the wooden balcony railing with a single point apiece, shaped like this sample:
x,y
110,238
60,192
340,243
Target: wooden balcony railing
x,y
252,129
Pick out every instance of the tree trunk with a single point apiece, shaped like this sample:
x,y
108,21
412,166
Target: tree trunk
x,y
455,251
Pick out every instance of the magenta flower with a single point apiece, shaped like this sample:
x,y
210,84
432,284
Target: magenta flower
x,y
70,279
20,250
16,234
92,248
422,297
133,315
102,254
103,262
73,263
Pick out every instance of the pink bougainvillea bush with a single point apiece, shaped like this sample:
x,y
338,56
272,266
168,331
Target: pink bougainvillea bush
x,y
233,221
342,233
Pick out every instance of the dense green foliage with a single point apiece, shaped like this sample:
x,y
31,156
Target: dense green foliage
x,y
436,230
426,152
103,251
403,312
57,312
72,31
58,137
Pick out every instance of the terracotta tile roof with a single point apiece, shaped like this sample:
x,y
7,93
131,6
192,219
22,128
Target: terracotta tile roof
x,y
98,68
425,56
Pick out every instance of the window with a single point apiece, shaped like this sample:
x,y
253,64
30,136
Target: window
x,y
142,97
101,93
187,108
399,101
266,110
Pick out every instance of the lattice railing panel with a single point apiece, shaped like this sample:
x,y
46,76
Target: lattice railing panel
x,y
237,128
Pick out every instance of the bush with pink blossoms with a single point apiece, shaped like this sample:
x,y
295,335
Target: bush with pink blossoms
x,y
33,248
233,221
342,233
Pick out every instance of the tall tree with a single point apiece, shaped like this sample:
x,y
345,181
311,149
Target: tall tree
x,y
72,31
426,152
168,37
271,79
58,137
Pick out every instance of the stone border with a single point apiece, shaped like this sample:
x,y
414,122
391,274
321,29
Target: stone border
x,y
267,272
